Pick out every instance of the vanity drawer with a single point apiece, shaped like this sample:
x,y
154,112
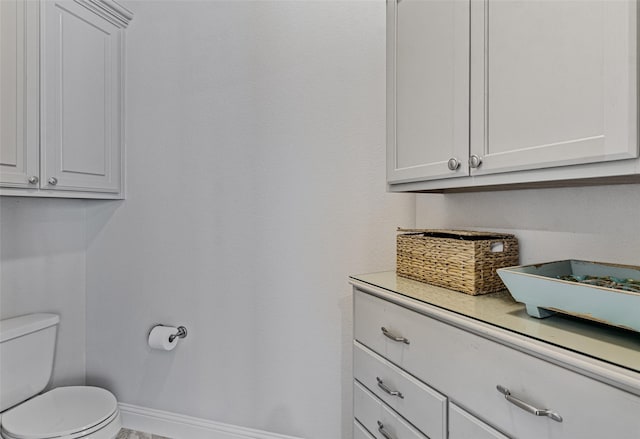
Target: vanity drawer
x,y
400,335
359,432
463,425
467,368
378,419
418,403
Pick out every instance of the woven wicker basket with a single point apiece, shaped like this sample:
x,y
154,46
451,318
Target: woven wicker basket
x,y
460,260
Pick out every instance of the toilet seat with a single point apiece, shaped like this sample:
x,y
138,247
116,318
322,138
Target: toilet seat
x,y
64,412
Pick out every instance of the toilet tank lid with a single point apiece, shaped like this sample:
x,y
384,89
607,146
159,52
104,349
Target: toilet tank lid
x,y
23,325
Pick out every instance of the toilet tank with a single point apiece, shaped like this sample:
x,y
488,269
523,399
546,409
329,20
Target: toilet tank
x,y
27,346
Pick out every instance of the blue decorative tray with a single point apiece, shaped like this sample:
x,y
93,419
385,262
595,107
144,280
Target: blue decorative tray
x,y
606,293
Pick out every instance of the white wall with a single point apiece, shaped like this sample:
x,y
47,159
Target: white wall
x,y
256,135
42,269
597,223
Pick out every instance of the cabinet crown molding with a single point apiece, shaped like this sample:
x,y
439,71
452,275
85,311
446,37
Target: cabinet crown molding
x,y
110,10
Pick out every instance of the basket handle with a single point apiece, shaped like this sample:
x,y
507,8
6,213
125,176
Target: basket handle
x,y
497,247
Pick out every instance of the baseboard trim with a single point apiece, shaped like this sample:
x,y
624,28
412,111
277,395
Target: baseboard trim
x,y
177,426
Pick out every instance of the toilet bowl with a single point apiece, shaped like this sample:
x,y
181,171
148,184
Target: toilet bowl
x,y
64,413
27,347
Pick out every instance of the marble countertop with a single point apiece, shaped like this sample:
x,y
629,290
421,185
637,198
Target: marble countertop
x,y
613,345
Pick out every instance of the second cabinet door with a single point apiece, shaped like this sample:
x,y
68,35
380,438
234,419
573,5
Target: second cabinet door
x,y
553,83
427,89
81,97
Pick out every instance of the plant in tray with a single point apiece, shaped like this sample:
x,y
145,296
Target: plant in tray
x,y
605,281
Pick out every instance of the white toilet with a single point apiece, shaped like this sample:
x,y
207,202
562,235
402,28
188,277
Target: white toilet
x,y
27,346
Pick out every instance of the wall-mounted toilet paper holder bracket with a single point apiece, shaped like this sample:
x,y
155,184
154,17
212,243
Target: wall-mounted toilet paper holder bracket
x,y
182,333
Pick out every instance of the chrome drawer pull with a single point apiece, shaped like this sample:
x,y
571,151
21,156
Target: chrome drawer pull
x,y
527,407
383,432
394,337
384,387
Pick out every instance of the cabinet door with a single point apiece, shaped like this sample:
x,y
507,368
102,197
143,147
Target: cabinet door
x,y
463,425
19,93
427,89
553,83
81,99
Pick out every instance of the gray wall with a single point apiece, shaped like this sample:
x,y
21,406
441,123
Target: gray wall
x,y
43,269
256,173
592,223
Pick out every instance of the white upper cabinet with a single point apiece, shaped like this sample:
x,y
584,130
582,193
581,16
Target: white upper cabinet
x,y
552,92
81,99
79,137
553,83
427,89
19,166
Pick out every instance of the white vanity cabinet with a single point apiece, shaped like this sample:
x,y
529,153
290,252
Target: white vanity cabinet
x,y
69,104
492,390
552,92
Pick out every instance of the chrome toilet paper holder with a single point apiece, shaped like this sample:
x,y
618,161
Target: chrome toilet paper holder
x,y
182,333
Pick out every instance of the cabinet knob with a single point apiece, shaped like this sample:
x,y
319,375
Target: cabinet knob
x,y
33,179
53,181
475,161
453,163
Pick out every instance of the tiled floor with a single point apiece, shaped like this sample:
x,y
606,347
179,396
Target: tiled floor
x,y
131,434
